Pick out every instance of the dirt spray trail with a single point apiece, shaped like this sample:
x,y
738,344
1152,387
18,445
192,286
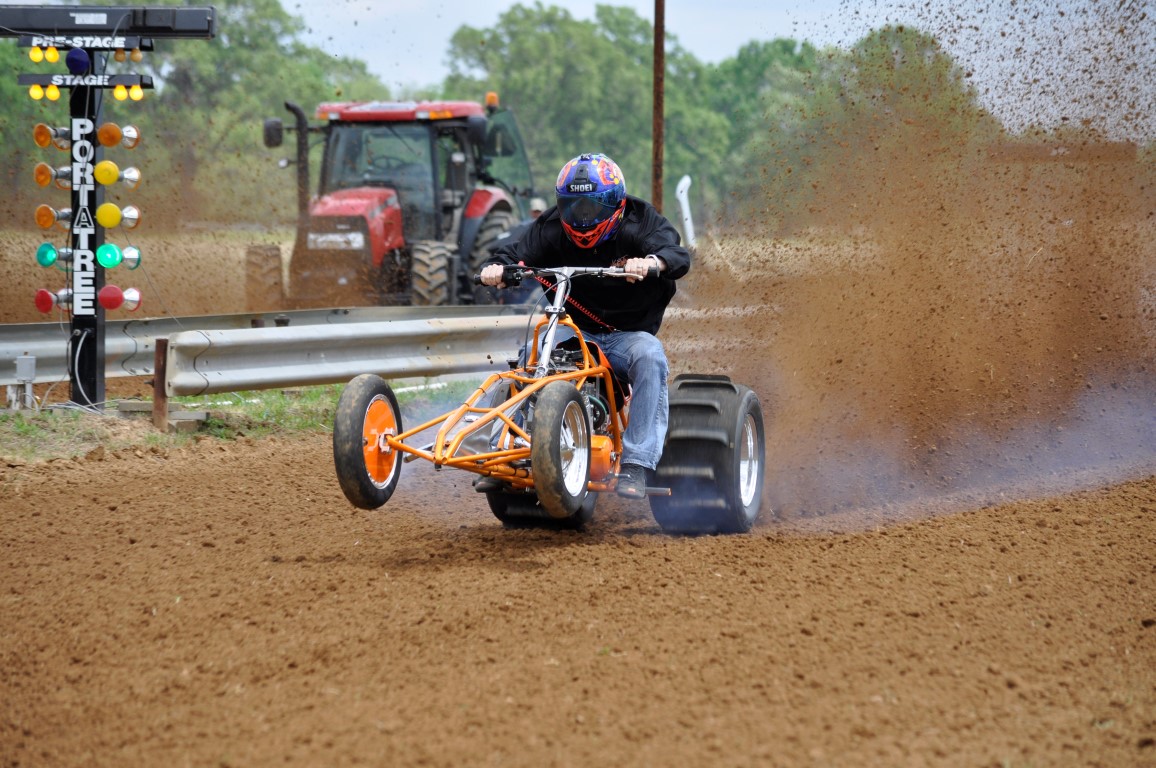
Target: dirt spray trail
x,y
977,308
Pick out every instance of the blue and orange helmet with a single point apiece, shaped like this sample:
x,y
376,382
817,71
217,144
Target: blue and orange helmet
x,y
591,199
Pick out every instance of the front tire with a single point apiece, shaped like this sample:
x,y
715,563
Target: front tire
x,y
367,469
560,450
714,458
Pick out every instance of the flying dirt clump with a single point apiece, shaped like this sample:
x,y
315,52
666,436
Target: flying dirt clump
x,y
988,315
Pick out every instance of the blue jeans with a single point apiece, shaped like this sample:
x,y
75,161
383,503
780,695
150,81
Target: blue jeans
x,y
640,358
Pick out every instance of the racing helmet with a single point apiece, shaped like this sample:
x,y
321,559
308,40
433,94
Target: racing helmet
x,y
591,199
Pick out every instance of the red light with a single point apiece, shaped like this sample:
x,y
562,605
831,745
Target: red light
x,y
45,300
110,297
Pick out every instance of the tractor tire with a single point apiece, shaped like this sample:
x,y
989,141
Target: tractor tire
x,y
496,224
521,509
430,276
303,276
263,284
366,409
714,458
560,450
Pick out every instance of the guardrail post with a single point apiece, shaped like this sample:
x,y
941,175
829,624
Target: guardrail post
x,y
160,396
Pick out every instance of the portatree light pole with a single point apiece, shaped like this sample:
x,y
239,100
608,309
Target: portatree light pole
x,y
87,36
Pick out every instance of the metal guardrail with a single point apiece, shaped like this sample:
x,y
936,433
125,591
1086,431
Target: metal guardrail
x,y
130,344
207,362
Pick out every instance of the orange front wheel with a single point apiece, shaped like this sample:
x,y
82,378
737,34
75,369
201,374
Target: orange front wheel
x,y
368,468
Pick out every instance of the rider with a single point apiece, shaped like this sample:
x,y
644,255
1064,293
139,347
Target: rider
x,y
595,223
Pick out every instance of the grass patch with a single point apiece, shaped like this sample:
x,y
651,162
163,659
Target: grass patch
x,y
62,433
66,432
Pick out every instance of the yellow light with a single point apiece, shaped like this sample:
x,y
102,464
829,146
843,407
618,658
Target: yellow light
x,y
42,135
36,54
119,54
136,93
52,92
120,93
131,216
136,55
109,134
107,215
43,174
131,137
106,172
492,99
46,215
51,55
440,114
131,177
36,92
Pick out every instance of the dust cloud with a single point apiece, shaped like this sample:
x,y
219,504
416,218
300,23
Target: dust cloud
x,y
985,322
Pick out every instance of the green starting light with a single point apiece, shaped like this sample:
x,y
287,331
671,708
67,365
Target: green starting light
x,y
46,254
109,255
132,257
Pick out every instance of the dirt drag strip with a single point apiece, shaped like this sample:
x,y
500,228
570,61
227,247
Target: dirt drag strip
x,y
223,605
953,330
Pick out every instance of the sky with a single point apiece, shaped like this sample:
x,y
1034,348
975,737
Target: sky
x,y
1092,61
1031,61
405,42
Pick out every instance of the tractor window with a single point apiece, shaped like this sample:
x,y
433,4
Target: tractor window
x,y
507,155
395,155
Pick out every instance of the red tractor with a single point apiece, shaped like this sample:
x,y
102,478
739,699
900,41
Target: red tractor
x,y
412,195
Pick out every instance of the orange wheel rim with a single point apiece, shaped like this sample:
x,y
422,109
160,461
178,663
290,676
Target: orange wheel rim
x,y
380,459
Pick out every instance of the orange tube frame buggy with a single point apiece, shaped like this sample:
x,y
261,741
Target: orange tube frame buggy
x,y
457,426
546,436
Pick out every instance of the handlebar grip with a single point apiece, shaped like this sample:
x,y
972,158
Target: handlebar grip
x,y
511,276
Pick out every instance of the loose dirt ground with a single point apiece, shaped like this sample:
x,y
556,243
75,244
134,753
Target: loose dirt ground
x,y
955,565
926,587
224,605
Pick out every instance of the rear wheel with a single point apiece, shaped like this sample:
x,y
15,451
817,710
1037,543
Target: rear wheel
x,y
429,276
367,469
521,509
560,450
714,458
263,291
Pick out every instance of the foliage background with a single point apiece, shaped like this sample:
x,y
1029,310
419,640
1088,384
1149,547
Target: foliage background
x,y
770,136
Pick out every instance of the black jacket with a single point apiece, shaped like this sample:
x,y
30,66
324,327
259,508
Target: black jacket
x,y
617,303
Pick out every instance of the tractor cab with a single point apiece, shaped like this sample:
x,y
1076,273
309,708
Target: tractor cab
x,y
411,196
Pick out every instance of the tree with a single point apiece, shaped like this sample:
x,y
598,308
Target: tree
x,y
19,116
206,115
572,89
862,120
200,153
584,86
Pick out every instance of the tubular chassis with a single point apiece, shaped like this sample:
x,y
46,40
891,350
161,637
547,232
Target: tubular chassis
x,y
547,435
